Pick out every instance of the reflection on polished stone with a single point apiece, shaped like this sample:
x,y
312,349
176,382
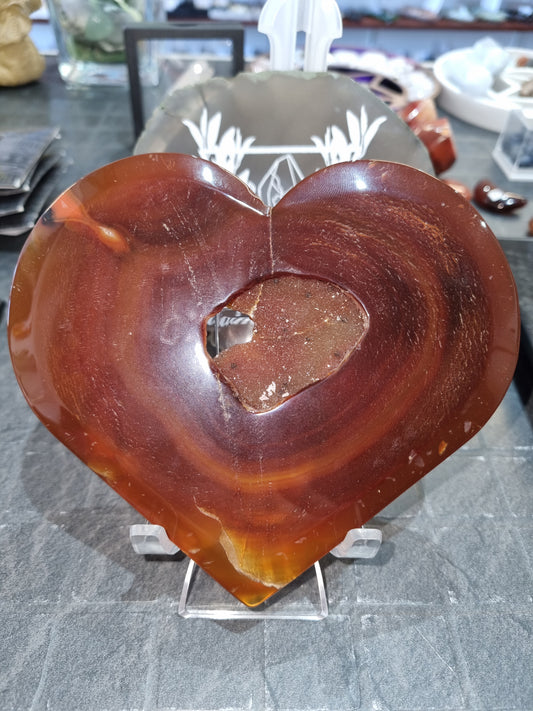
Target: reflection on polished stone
x,y
107,332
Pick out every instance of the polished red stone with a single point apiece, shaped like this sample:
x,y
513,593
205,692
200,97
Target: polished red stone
x,y
459,187
495,199
107,329
435,133
419,112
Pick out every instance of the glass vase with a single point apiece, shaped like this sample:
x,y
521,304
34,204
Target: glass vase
x,y
90,37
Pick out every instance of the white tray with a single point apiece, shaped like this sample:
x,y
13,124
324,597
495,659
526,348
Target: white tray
x,y
490,111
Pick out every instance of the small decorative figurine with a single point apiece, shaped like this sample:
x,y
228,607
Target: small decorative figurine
x,y
20,62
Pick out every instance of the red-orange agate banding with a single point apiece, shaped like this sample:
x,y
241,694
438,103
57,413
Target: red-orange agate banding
x,y
107,334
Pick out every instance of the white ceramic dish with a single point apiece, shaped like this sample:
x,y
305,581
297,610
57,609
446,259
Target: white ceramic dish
x,y
490,111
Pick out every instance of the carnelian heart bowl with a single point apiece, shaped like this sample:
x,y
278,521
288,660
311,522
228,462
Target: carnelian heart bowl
x,y
385,335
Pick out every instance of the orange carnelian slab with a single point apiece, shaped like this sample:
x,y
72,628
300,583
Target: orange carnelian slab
x,y
107,329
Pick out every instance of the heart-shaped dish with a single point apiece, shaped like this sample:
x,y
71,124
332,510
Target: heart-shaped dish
x,y
386,334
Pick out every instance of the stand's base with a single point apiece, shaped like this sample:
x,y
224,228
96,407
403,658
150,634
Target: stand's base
x,y
303,599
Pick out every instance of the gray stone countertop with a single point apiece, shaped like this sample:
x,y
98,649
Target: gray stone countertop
x,y
440,619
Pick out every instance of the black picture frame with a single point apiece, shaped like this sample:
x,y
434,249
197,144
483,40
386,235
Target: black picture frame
x,y
149,31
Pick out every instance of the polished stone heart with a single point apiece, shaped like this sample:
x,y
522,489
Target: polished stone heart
x,y
107,331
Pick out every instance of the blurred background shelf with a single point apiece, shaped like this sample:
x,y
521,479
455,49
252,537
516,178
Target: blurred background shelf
x,y
384,26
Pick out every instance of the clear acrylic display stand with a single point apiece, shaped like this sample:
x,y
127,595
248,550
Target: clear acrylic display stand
x,y
303,599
